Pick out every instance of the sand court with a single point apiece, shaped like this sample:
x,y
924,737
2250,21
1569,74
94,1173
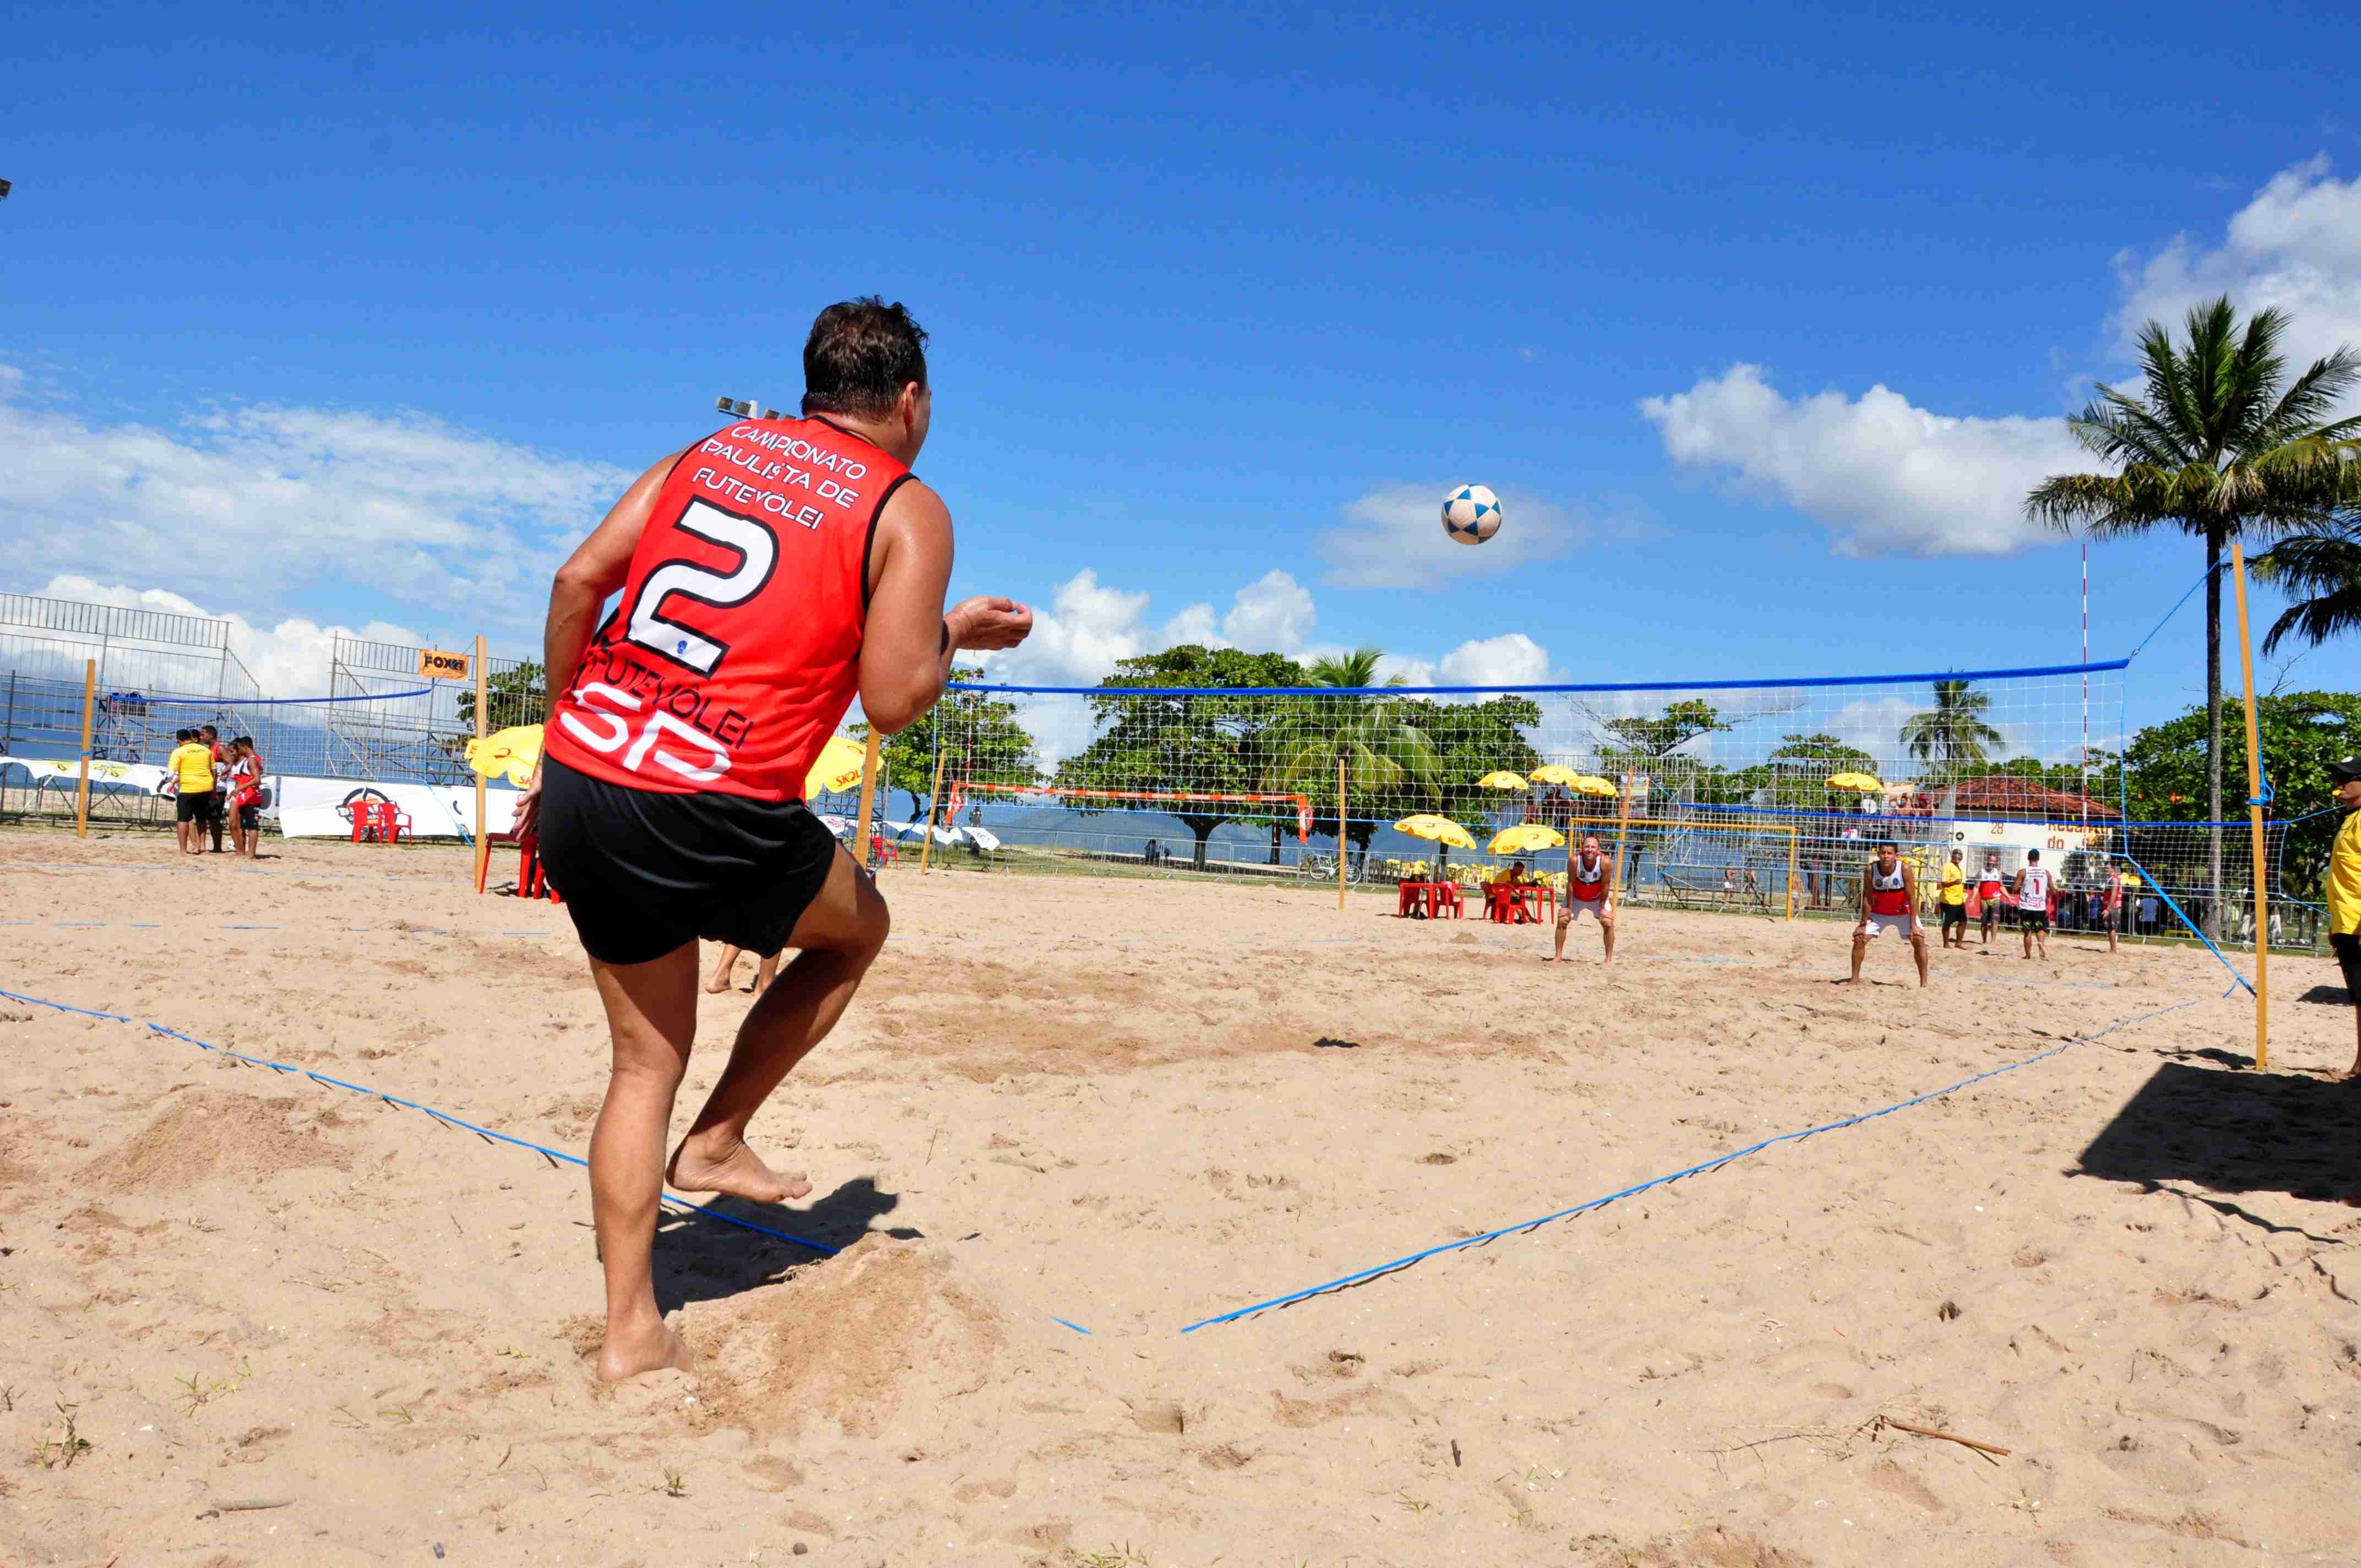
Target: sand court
x,y
1069,1117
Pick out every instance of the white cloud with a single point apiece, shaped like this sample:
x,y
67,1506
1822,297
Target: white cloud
x,y
419,509
1884,475
288,659
1273,613
1512,659
1393,538
1887,476
2297,244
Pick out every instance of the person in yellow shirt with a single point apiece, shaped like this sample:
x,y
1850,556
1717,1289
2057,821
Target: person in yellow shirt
x,y
1952,896
191,768
2344,891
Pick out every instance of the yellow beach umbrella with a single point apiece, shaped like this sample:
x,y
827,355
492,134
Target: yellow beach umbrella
x,y
1437,830
511,753
1524,839
1502,780
1553,772
1861,783
1591,783
839,768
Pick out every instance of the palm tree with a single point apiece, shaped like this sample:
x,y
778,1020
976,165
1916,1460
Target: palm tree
x,y
2221,445
2321,572
1952,734
1382,750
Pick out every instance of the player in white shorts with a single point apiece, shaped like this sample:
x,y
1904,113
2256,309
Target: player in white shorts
x,y
1889,902
1587,875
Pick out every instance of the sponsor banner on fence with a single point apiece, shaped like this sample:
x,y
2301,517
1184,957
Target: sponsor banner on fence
x,y
322,808
143,776
2050,838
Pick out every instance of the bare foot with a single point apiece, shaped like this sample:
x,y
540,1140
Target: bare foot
x,y
718,983
739,1173
626,1356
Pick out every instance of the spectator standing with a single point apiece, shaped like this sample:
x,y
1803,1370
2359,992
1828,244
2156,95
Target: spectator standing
x,y
192,767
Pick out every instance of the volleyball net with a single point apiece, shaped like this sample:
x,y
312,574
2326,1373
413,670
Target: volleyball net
x,y
1763,794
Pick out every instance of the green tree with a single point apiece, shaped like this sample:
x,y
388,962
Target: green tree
x,y
1198,741
2302,733
2223,445
1387,757
1469,740
1952,734
1647,739
511,696
2321,573
984,741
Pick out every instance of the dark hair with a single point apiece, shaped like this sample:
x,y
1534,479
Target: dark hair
x,y
2032,855
1889,844
241,741
860,355
207,730
184,734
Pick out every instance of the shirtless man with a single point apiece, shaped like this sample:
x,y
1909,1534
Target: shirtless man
x,y
1889,902
1588,893
768,574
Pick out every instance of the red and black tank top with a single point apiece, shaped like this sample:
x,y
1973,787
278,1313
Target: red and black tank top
x,y
1888,893
735,650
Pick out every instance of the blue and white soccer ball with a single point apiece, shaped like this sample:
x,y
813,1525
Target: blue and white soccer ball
x,y
1471,514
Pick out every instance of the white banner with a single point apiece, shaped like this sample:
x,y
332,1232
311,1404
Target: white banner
x,y
140,777
322,808
2050,838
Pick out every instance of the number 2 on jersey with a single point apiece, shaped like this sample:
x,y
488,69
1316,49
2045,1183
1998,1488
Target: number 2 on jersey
x,y
758,555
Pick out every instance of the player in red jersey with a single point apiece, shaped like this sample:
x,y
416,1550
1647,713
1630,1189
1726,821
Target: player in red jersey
x,y
768,574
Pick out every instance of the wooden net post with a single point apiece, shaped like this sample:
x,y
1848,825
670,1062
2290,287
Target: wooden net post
x,y
89,707
868,794
2255,828
1340,830
483,845
1791,871
1622,826
934,801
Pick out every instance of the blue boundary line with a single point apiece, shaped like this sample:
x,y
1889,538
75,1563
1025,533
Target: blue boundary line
x,y
1361,1275
555,1157
1596,687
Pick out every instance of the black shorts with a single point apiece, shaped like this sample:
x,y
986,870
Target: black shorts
x,y
2347,946
1954,914
642,873
250,819
2032,919
195,805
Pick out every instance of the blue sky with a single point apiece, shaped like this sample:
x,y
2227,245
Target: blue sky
x,y
1760,319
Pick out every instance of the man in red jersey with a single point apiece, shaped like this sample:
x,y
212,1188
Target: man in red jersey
x,y
768,574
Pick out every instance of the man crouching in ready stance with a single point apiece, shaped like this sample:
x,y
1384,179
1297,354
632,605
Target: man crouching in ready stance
x,y
1889,902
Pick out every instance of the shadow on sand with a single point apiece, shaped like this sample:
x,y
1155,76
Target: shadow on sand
x,y
697,1260
2233,1132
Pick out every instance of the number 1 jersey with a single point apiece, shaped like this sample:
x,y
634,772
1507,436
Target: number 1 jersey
x,y
735,650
